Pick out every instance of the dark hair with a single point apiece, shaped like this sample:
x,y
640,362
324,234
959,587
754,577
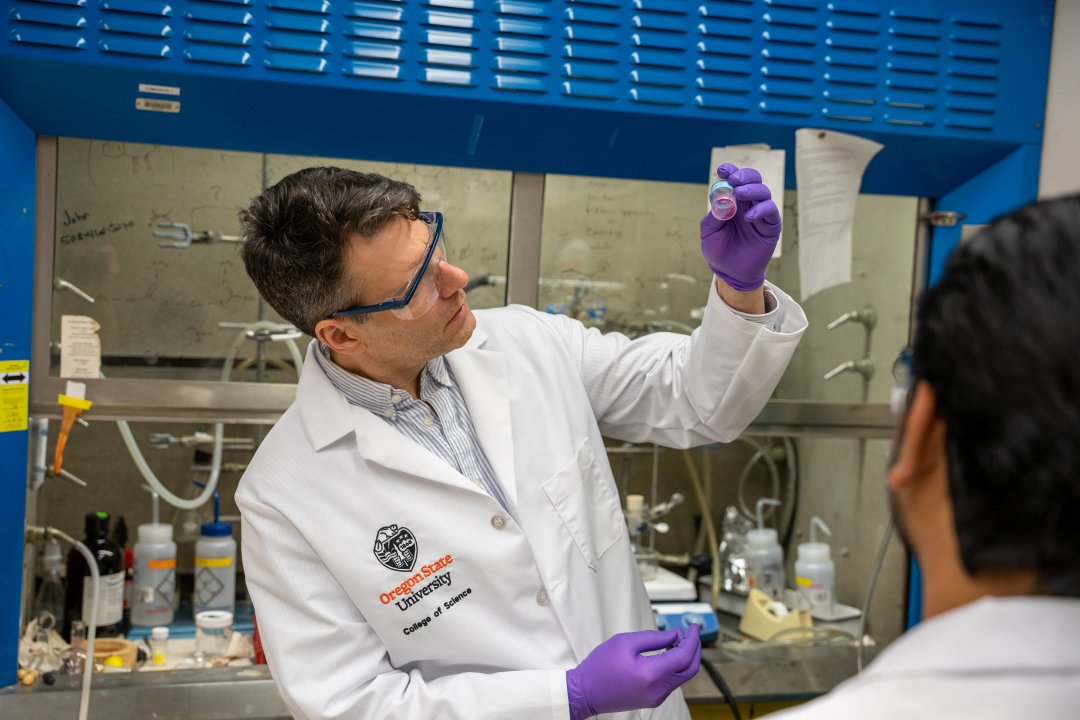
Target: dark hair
x,y
296,232
998,338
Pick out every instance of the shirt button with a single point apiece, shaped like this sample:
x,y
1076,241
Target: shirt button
x,y
427,421
395,399
498,522
542,598
388,412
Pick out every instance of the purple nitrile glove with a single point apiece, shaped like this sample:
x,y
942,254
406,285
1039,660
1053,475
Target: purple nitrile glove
x,y
739,249
616,677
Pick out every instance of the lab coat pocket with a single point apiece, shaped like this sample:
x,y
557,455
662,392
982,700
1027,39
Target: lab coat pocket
x,y
587,504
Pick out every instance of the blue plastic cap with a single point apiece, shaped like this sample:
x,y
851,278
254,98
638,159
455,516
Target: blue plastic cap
x,y
216,529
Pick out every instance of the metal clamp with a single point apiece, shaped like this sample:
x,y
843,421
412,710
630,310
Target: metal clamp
x,y
182,235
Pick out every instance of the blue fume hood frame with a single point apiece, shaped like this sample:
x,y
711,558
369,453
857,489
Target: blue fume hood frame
x,y
954,89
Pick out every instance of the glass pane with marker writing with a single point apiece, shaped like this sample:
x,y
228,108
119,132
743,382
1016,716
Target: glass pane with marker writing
x,y
625,255
147,260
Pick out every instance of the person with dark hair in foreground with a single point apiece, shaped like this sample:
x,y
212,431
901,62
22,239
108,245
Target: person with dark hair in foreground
x,y
432,529
985,487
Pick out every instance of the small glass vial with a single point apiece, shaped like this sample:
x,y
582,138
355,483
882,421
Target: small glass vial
x,y
722,203
213,628
75,661
159,645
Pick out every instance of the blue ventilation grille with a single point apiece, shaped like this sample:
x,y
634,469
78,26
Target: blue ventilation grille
x,y
522,32
853,53
450,43
913,66
972,70
593,55
726,64
660,52
57,25
373,39
921,67
297,37
789,56
136,27
221,33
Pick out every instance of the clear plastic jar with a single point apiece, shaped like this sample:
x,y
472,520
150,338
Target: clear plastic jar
x,y
213,628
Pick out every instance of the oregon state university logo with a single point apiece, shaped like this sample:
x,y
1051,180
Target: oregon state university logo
x,y
395,548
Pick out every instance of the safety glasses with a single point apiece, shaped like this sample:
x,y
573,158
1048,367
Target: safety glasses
x,y
421,289
903,378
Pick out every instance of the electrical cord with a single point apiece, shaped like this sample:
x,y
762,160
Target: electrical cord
x,y
870,592
791,459
722,686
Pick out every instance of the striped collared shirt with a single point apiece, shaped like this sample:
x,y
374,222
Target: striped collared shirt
x,y
439,421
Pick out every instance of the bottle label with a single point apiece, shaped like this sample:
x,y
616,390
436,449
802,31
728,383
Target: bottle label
x,y
110,601
213,589
766,577
816,593
213,562
162,564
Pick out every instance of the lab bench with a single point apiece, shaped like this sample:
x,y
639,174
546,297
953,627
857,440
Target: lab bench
x,y
767,676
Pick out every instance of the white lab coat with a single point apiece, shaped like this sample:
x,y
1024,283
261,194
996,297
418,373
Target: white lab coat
x,y
524,596
993,659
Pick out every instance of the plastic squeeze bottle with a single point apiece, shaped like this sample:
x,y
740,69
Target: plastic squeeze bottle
x,y
764,556
815,574
155,573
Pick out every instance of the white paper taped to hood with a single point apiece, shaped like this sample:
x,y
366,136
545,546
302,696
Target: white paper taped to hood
x,y
80,347
829,168
768,162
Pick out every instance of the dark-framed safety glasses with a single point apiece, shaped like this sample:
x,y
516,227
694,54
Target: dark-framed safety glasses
x,y
421,289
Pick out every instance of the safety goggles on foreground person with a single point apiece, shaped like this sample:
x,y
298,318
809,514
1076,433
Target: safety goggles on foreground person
x,y
420,290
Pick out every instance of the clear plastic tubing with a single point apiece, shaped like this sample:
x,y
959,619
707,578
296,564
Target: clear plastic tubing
x,y
722,203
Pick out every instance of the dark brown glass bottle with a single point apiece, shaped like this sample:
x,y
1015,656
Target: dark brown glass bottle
x,y
110,563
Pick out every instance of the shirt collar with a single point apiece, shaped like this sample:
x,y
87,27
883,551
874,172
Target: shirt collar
x,y
376,396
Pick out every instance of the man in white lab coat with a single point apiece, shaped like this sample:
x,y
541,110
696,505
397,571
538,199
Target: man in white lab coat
x,y
432,530
985,487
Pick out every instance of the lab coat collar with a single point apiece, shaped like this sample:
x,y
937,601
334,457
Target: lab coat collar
x,y
325,412
990,635
481,377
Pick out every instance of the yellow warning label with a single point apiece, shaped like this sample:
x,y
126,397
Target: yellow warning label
x,y
213,562
803,582
14,394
